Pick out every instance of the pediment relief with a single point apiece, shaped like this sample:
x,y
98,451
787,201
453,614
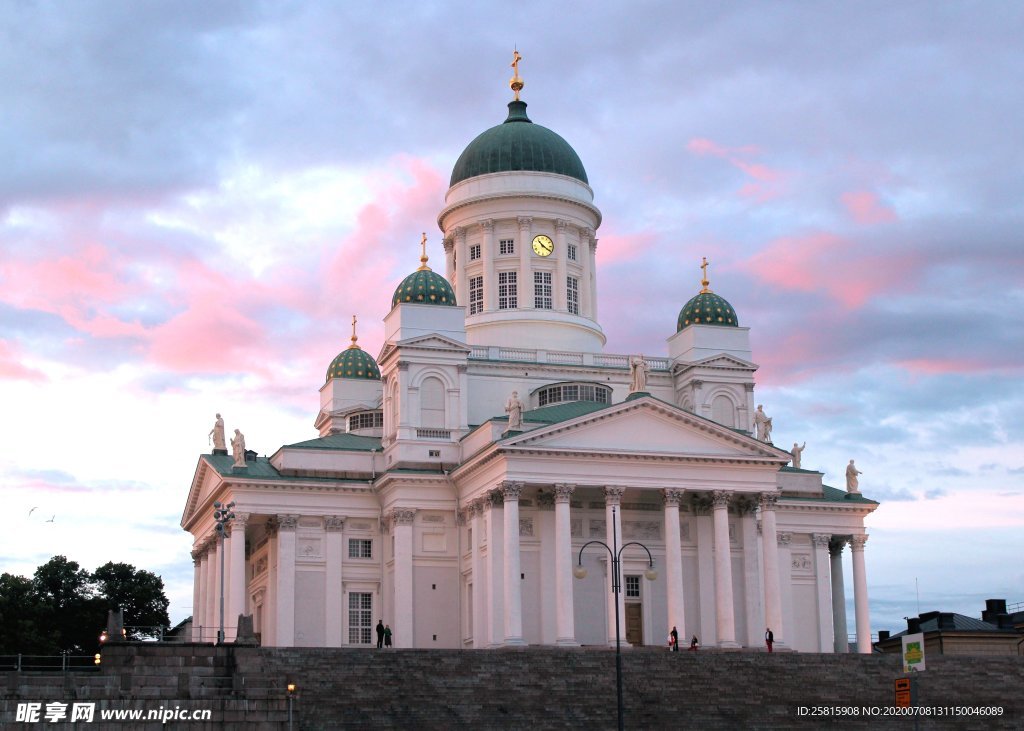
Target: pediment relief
x,y
648,426
725,361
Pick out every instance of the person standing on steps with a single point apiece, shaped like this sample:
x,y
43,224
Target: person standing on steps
x,y
769,638
693,643
674,639
380,633
387,635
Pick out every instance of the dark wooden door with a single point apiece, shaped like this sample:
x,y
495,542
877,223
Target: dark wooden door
x,y
634,624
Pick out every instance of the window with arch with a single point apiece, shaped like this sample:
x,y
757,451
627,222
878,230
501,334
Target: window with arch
x,y
723,411
432,403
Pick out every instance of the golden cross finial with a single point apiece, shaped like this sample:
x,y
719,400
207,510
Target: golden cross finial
x,y
423,256
354,336
704,280
515,82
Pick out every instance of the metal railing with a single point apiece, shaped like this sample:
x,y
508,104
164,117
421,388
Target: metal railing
x,y
1015,607
63,663
852,637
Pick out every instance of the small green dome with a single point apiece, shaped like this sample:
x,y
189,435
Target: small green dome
x,y
424,287
518,144
354,362
707,308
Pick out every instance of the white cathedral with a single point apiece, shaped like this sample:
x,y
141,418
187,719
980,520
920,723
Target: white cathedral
x,y
456,477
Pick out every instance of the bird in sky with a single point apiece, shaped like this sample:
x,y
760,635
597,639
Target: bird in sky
x,y
31,511
51,519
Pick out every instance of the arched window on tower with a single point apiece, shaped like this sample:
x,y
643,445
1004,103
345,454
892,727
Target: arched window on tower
x,y
432,404
723,411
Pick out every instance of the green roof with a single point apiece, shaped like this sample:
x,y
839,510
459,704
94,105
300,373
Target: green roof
x,y
707,308
518,144
424,287
262,469
354,362
562,412
344,442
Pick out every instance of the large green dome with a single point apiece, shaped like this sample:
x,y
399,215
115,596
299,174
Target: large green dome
x,y
354,362
707,308
424,287
518,144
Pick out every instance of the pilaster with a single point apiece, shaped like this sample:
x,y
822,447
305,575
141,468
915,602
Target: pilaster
x,y
334,547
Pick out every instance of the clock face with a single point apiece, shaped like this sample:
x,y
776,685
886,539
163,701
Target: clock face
x,y
542,245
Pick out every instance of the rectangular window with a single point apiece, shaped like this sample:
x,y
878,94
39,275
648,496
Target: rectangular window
x,y
572,252
360,618
572,295
507,246
366,420
633,586
360,548
508,290
476,295
542,290
474,252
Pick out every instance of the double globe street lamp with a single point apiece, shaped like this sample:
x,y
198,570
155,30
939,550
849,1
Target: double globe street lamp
x,y
650,574
223,516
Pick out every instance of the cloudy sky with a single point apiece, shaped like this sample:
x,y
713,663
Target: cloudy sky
x,y
195,197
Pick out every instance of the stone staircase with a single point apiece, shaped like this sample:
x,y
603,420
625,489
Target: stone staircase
x,y
527,688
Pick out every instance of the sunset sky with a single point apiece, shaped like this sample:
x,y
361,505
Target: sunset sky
x,y
195,197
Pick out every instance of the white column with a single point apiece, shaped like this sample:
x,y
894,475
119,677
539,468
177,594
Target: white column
x,y
495,567
674,564
823,592
401,528
789,627
214,603
725,620
286,525
583,254
565,617
860,594
479,608
841,641
334,547
613,536
525,247
198,591
548,569
449,260
561,253
238,588
705,571
269,633
591,253
489,252
461,263
751,575
770,551
513,583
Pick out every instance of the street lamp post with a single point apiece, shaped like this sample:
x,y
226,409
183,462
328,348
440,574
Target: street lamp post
x,y
223,516
616,554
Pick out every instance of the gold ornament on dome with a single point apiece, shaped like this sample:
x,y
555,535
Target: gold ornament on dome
x,y
516,83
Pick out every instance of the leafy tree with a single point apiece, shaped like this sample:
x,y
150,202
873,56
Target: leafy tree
x,y
138,593
68,605
21,624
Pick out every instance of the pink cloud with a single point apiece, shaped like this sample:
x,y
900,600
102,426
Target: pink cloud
x,y
765,182
614,248
11,367
942,366
865,208
826,262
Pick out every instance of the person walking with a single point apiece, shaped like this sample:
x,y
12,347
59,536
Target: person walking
x,y
769,638
674,639
387,635
380,633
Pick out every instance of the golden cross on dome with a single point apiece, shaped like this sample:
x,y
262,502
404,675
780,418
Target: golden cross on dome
x,y
423,257
704,279
354,336
515,82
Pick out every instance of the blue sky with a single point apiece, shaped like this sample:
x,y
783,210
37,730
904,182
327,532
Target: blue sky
x,y
198,195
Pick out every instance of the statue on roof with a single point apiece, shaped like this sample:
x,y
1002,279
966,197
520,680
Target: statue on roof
x,y
238,449
797,451
852,484
762,425
638,374
216,437
514,408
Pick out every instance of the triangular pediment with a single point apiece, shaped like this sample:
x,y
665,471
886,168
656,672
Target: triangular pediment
x,y
424,342
723,360
205,481
647,426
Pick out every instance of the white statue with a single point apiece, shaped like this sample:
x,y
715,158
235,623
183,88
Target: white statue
x,y
238,449
514,409
762,425
797,452
217,435
638,374
852,485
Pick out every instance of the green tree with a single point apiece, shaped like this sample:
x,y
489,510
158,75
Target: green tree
x,y
138,593
22,628
68,605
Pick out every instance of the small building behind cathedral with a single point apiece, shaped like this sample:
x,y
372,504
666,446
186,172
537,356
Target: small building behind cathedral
x,y
457,475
